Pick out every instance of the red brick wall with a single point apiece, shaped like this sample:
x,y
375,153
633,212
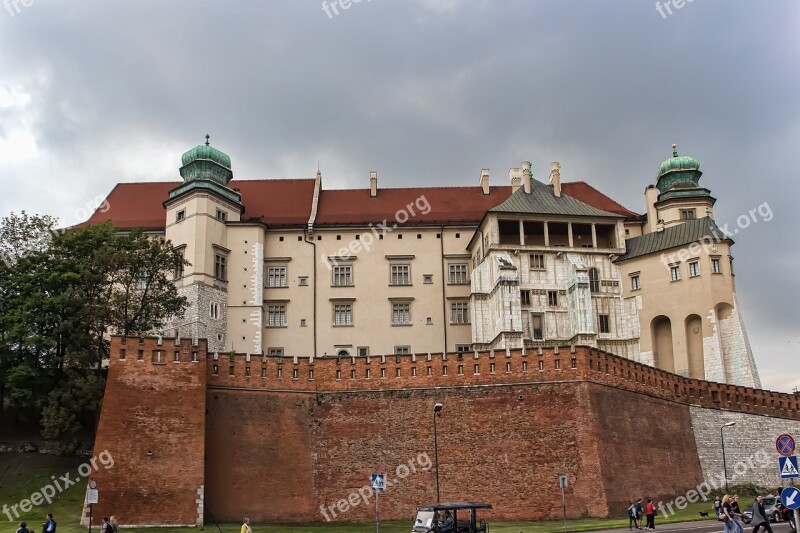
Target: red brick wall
x,y
156,407
647,447
281,456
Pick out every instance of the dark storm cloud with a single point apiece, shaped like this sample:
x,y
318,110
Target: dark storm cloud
x,y
424,92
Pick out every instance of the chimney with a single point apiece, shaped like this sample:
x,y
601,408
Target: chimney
x,y
373,184
555,177
485,180
526,176
515,175
650,199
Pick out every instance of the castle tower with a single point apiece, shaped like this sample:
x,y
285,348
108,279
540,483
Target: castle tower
x,y
680,274
680,196
198,213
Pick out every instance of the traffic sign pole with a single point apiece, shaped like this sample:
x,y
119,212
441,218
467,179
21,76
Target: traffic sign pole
x,y
377,512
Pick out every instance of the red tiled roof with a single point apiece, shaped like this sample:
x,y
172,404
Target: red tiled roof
x,y
429,205
288,203
580,190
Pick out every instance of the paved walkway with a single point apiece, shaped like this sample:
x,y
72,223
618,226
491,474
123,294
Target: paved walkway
x,y
700,526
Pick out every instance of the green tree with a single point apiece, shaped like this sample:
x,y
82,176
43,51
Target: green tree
x,y
60,303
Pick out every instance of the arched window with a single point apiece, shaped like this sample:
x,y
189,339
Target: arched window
x,y
343,353
594,280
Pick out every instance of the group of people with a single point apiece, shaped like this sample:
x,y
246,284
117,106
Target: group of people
x,y
637,510
730,514
49,526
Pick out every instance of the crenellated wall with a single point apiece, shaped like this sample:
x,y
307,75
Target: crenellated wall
x,y
294,439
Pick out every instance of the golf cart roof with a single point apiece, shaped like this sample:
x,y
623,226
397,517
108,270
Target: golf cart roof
x,y
453,506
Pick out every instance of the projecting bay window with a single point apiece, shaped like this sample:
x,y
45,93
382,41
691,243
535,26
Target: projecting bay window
x,y
221,266
276,276
276,315
459,313
458,274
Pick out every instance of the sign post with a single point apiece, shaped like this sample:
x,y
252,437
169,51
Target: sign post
x,y
378,484
92,497
563,482
787,466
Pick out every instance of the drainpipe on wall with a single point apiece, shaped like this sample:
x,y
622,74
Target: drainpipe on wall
x,y
444,297
309,239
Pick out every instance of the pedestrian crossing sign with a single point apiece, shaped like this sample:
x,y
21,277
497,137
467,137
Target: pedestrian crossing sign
x,y
378,482
788,466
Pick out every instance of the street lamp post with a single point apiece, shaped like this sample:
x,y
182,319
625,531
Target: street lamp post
x,y
437,409
724,462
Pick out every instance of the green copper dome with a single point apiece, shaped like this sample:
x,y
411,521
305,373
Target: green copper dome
x,y
679,176
206,162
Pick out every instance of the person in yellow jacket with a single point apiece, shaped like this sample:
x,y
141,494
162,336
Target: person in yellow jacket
x,y
246,526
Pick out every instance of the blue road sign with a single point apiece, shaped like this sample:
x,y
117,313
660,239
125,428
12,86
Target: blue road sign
x,y
788,467
791,498
785,445
378,482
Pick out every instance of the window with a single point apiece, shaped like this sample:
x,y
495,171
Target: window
x,y
213,311
604,326
715,266
401,313
367,373
694,269
302,281
276,276
537,261
459,313
363,351
688,214
122,355
220,267
263,371
276,316
303,322
402,350
427,279
635,283
222,215
552,298
195,359
180,215
397,372
536,327
594,280
463,348
401,275
343,314
675,272
458,274
525,297
177,272
342,276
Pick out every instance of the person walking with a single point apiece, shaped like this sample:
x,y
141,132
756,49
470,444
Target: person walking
x,y
631,516
639,512
650,512
728,517
106,527
114,524
738,517
50,525
718,507
760,519
23,528
246,526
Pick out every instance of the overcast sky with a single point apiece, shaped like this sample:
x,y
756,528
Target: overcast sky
x,y
425,92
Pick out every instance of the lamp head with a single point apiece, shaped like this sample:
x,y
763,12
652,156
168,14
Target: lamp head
x,y
437,408
729,424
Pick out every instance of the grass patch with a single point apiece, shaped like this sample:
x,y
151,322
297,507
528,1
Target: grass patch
x,y
23,474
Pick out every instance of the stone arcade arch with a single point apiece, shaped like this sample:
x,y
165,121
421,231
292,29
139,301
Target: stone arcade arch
x,y
693,327
661,333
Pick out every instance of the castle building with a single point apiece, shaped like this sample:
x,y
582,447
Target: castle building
x,y
286,267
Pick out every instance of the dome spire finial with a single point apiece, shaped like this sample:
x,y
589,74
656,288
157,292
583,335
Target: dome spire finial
x,y
674,150
209,136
